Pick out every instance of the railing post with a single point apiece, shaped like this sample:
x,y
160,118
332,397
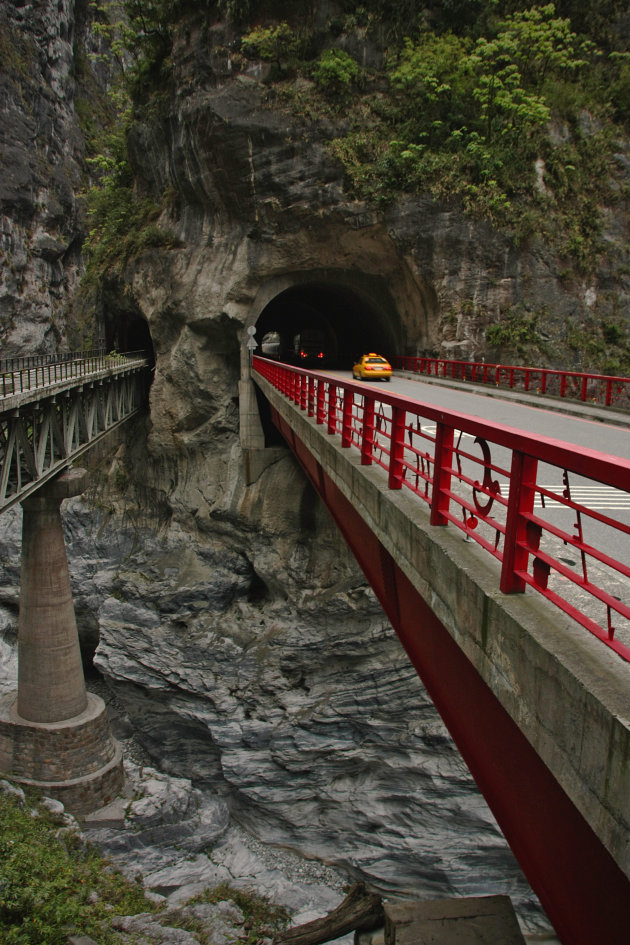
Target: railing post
x,y
332,408
310,396
520,504
608,393
443,467
367,433
303,389
397,448
584,391
321,402
346,423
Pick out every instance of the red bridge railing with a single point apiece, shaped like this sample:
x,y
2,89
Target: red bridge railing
x,y
556,517
590,388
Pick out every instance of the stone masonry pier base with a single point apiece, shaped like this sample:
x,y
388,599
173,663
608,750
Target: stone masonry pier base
x,y
76,761
53,734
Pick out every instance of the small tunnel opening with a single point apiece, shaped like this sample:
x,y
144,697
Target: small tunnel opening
x,y
329,325
131,333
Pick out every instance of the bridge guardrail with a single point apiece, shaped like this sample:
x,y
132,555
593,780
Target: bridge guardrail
x,y
23,362
508,490
22,375
599,389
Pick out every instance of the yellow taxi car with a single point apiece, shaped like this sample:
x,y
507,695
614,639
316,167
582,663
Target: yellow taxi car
x,y
372,367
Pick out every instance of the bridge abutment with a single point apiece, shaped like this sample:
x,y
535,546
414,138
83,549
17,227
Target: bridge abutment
x,y
53,734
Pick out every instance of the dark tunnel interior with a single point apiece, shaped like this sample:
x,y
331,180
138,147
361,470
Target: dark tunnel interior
x,y
130,333
341,322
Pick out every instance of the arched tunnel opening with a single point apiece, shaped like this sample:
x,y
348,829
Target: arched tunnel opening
x,y
130,332
350,322
326,323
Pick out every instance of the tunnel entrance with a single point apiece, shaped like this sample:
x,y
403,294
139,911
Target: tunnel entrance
x,y
323,320
127,332
322,324
130,332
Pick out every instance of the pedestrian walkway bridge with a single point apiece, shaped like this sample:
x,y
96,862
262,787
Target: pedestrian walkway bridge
x,y
52,410
452,519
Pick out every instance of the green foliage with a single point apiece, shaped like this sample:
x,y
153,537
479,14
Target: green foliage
x,y
121,223
50,887
263,919
516,333
139,36
278,44
335,72
600,345
536,43
620,87
469,118
479,99
434,89
123,227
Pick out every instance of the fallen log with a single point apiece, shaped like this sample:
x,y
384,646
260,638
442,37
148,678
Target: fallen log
x,y
360,911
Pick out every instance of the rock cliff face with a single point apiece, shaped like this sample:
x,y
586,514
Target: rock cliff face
x,y
240,642
44,46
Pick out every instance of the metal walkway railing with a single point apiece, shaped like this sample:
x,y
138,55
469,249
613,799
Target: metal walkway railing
x,y
538,506
32,374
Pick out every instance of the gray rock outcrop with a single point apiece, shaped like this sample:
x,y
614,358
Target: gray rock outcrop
x,y
289,703
42,141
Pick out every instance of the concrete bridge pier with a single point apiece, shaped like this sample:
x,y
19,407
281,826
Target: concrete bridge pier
x,y
54,735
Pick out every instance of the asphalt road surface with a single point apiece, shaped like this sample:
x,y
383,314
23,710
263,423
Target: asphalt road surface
x,y
584,432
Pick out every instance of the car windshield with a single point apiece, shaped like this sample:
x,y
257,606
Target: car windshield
x,y
376,361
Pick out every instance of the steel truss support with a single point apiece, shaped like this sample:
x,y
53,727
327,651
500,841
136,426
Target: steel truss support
x,y
40,438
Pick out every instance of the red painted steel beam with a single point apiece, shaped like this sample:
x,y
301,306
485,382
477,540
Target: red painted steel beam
x,y
583,891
